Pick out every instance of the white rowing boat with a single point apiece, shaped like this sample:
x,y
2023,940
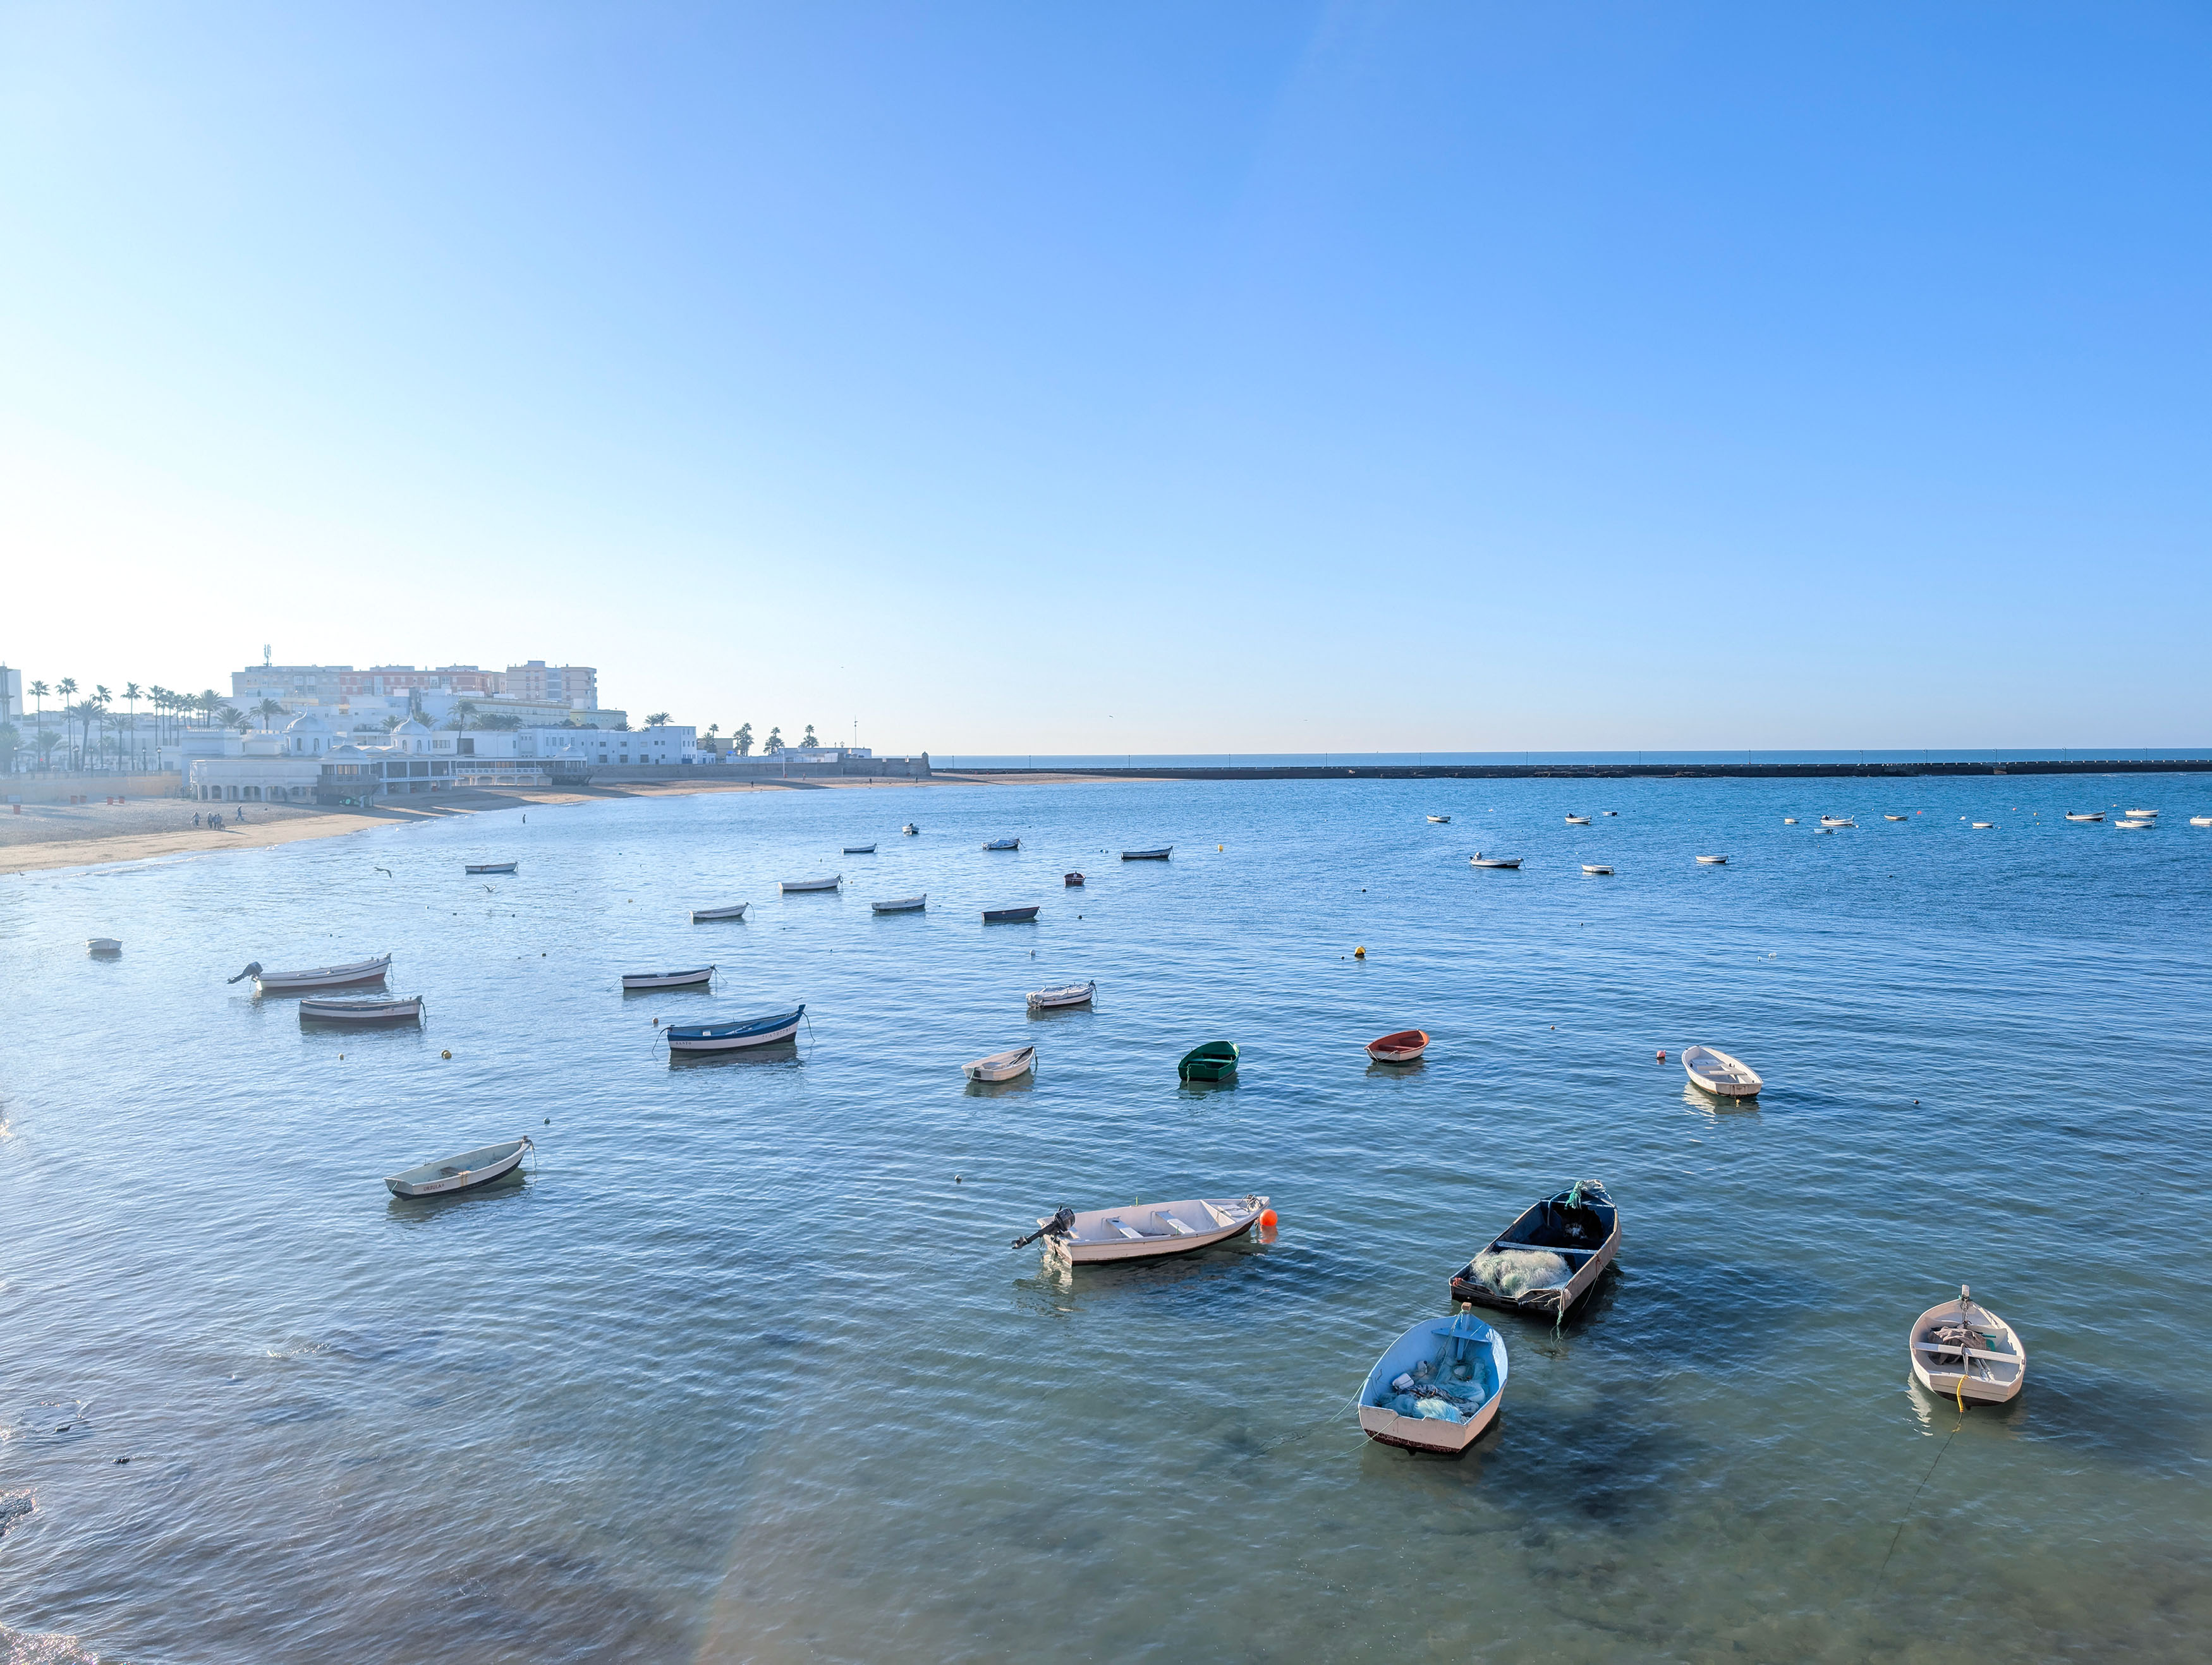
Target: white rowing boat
x,y
1001,1066
1578,821
1440,820
1143,1231
860,849
1963,1350
1716,1072
1597,869
633,980
2142,815
902,904
470,1168
735,910
1479,859
356,1009
2194,821
488,867
1713,860
1437,1387
2123,826
1893,818
360,974
2071,816
791,886
1160,854
1984,826
1044,1000
1837,821
104,946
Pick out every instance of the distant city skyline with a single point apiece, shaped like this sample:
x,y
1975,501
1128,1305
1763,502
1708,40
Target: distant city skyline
x,y
1276,379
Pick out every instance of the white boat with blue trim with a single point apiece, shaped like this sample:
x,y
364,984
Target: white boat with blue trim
x,y
762,1031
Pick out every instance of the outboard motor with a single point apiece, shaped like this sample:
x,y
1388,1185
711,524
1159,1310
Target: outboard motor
x,y
252,969
1060,1225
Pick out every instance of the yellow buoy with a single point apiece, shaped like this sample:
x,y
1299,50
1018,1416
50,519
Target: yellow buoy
x,y
1360,952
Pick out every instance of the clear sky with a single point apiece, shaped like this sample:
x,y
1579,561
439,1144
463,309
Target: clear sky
x,y
1142,377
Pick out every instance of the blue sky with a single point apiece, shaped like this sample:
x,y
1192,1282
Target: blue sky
x,y
1138,378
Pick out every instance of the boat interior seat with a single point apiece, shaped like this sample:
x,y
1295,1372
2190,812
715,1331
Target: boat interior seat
x,y
1169,1222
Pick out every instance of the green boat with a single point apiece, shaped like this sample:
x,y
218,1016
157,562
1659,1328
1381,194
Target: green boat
x,y
1209,1062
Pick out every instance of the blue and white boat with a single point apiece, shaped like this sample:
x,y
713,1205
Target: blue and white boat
x,y
1004,844
762,1031
1438,1386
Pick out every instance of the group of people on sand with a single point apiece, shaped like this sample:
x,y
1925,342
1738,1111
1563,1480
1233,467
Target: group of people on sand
x,y
215,818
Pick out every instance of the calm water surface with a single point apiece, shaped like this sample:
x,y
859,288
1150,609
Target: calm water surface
x,y
746,1371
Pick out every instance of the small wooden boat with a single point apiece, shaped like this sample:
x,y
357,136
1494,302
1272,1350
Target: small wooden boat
x,y
460,1173
2124,826
1479,859
1717,1074
1001,1066
1402,1047
737,910
1160,854
1145,1231
2071,816
860,849
1549,1258
1004,844
1893,818
490,867
633,980
901,905
1440,820
1008,915
105,946
1046,999
1578,821
357,1009
1597,869
1071,879
1713,861
358,975
910,829
1963,1350
797,887
1210,1060
1436,1387
762,1031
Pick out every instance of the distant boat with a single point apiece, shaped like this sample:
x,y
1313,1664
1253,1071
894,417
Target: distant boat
x,y
1549,1257
735,910
2142,815
1440,820
490,867
1437,1387
1985,825
1832,821
762,1031
1045,999
1008,915
910,829
1788,820
1479,859
1160,854
1001,1066
358,1009
860,849
2124,826
106,946
1962,1351
1143,1231
1893,818
460,1173
1072,879
636,980
901,905
2194,821
1717,1074
795,886
1712,860
1578,821
1598,871
1004,844
2071,816
1210,1060
1402,1047
1611,811
359,974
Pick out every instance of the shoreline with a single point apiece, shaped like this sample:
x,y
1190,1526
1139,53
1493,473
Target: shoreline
x,y
288,826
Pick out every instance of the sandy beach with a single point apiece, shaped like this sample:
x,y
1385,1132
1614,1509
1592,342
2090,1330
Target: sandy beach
x,y
49,836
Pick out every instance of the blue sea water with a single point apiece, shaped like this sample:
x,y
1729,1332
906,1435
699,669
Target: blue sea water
x,y
745,1369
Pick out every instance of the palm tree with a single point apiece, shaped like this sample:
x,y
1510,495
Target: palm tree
x,y
655,719
810,742
133,693
265,710
743,739
774,741
47,739
39,691
465,713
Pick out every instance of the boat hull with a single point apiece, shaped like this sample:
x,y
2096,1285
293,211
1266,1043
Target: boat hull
x,y
802,886
1148,855
361,1012
1999,1380
1008,915
501,1161
701,915
1420,1433
1111,1251
331,976
903,905
1403,1048
701,1037
1054,999
490,867
1735,1079
999,1068
640,981
1557,1301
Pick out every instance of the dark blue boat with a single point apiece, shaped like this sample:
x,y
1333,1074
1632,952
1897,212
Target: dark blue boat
x,y
724,1037
1008,915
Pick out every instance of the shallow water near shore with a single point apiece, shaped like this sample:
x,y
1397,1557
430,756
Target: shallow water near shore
x,y
744,1368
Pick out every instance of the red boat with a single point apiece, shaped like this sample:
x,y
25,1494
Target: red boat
x,y
1075,879
1403,1048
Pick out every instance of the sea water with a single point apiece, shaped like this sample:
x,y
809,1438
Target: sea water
x,y
744,1368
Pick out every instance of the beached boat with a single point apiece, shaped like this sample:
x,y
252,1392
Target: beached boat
x,y
1597,869
1001,1066
1046,999
1963,1350
1402,1047
1479,859
1713,861
360,974
901,905
1888,816
1160,854
1008,915
633,980
1071,878
1210,1060
1716,1072
1145,1231
472,1167
1004,844
860,849
1547,1259
2071,816
1436,1387
489,867
105,946
735,910
1440,820
762,1031
362,1009
1578,821
800,886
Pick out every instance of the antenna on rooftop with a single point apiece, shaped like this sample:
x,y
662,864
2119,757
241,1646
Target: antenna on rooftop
x,y
265,656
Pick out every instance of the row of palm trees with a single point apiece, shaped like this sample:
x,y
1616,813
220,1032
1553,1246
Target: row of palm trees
x,y
742,741
117,747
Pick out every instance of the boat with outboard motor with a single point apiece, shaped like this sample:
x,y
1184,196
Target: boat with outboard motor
x,y
1549,1258
1146,1231
1436,1387
359,975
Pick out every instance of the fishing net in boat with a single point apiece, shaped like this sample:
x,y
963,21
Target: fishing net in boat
x,y
1513,1271
1451,1393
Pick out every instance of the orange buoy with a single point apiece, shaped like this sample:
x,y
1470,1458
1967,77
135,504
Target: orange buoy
x,y
1266,1219
1663,1055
